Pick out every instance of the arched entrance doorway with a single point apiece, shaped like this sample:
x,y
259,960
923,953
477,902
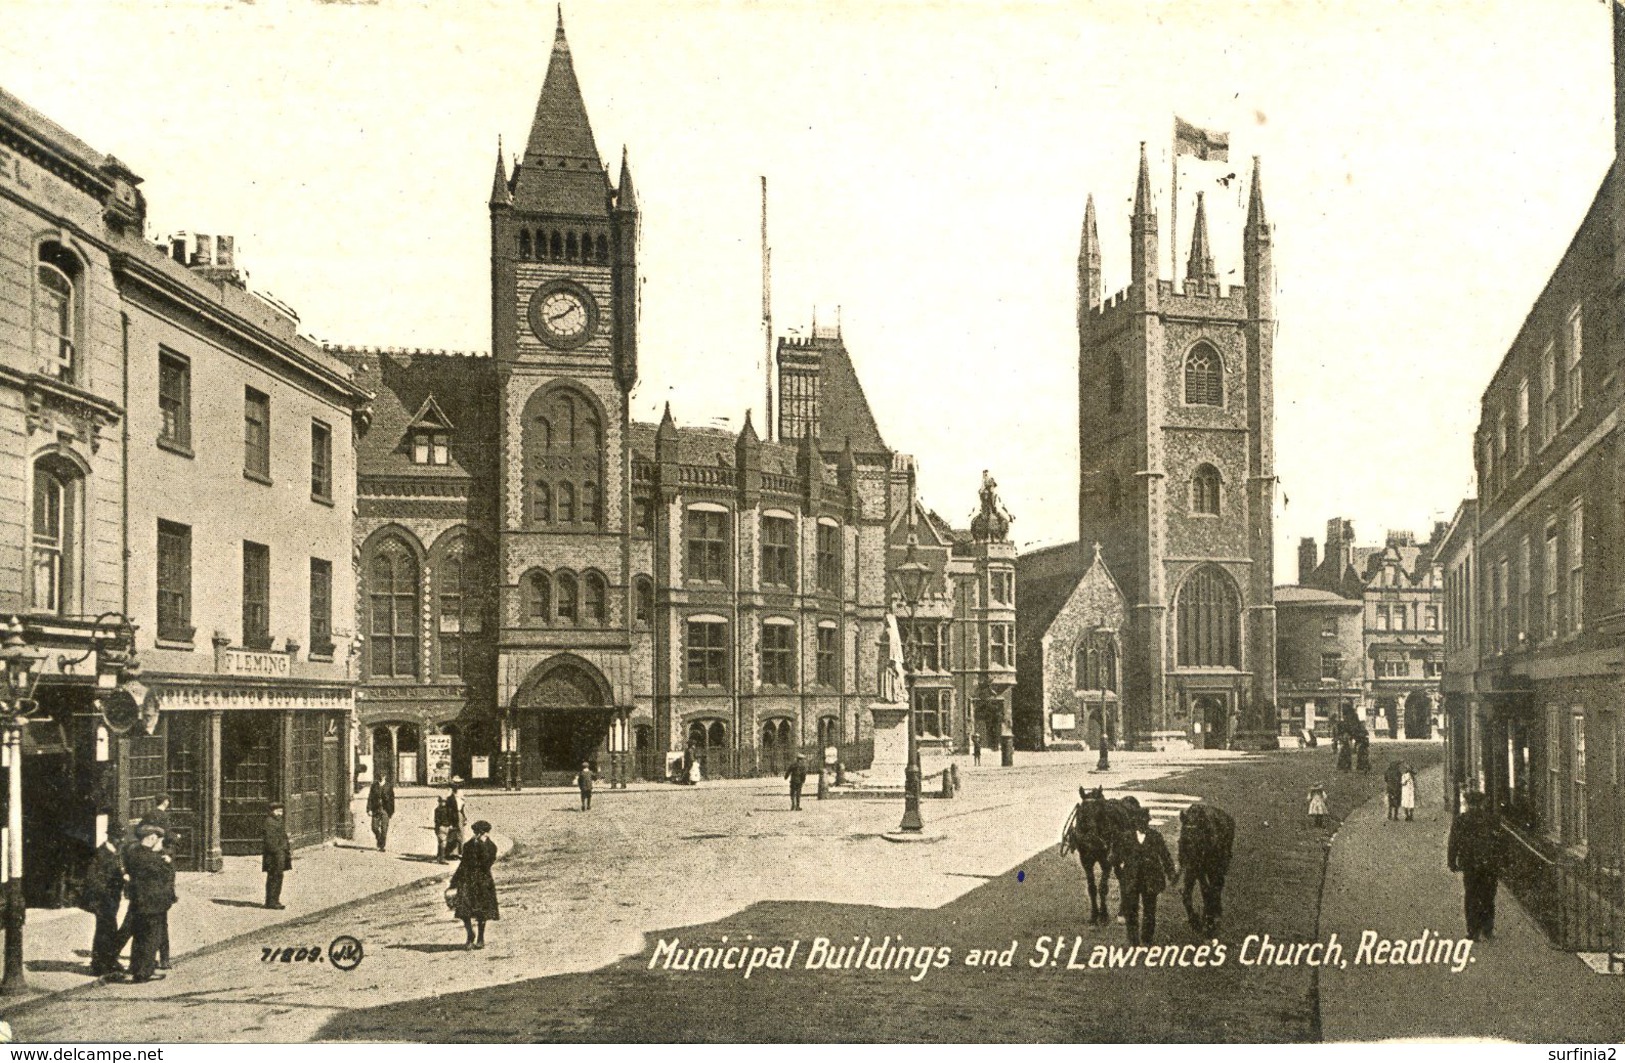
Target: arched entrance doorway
x,y
565,713
1418,716
1214,715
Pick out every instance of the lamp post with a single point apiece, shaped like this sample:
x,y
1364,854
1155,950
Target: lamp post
x,y
911,576
21,670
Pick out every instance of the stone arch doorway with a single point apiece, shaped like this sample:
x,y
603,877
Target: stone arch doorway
x,y
1213,713
565,712
1418,715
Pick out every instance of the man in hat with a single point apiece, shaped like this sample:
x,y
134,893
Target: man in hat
x,y
584,779
457,816
102,891
1144,869
381,806
1475,850
152,894
161,816
798,778
276,856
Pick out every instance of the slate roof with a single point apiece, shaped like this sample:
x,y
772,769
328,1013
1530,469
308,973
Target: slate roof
x,y
1292,594
1045,579
562,172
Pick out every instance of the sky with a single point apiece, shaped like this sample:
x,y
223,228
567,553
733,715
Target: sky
x,y
1425,164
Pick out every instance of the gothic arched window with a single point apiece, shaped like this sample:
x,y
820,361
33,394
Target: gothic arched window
x,y
392,597
643,604
538,598
1095,664
564,457
524,244
595,594
1204,377
568,609
1209,621
1205,486
457,608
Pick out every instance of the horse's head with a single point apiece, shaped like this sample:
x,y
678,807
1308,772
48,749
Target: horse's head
x,y
1086,794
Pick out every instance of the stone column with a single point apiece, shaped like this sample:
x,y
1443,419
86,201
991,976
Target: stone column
x,y
212,855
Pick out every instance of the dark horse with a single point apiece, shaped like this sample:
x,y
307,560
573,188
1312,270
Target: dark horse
x,y
1206,835
1093,830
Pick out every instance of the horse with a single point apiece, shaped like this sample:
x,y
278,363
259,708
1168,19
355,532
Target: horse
x,y
1206,835
1092,831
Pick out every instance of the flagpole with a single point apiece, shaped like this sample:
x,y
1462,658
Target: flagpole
x,y
1173,216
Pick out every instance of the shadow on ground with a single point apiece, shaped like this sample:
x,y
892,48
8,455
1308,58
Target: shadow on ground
x,y
1273,888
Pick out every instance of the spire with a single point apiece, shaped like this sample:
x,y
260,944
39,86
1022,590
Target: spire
x,y
626,199
501,196
668,425
1201,269
1088,261
747,434
562,171
1257,224
1142,190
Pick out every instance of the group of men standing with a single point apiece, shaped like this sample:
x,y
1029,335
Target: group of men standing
x,y
450,815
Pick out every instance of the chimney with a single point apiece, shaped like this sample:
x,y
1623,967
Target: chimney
x,y
225,252
1340,543
177,248
203,254
1308,558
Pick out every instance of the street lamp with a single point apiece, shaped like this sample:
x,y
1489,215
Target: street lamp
x,y
911,576
20,672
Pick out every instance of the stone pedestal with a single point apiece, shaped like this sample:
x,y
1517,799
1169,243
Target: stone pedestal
x,y
891,743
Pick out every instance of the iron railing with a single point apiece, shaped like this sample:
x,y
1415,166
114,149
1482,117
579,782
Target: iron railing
x,y
1579,904
751,763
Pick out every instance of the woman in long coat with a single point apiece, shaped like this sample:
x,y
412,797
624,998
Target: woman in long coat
x,y
1407,791
476,891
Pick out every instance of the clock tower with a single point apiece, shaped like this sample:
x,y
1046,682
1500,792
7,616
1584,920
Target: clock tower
x,y
564,338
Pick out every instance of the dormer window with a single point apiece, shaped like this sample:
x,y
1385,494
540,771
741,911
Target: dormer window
x,y
430,448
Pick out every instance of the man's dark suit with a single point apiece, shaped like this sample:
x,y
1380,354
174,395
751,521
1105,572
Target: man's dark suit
x,y
1144,869
276,857
152,894
1475,850
102,891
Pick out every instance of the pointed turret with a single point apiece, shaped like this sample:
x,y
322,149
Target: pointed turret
x,y
626,199
501,195
562,172
1201,270
1143,238
748,460
1258,266
1088,261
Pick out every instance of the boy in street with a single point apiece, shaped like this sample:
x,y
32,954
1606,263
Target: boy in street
x,y
584,782
798,778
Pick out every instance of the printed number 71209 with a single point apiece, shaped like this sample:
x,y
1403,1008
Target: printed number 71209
x,y
291,954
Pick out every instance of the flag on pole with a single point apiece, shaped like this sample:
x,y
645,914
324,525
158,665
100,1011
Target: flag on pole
x,y
1206,144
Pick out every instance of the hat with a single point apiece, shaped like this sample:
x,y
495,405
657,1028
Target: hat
x,y
116,831
146,830
481,827
276,806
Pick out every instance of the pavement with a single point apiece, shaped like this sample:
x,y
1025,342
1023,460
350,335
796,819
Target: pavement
x,y
1392,878
578,892
218,907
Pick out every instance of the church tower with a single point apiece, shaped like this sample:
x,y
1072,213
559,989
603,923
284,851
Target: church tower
x,y
1177,477
564,338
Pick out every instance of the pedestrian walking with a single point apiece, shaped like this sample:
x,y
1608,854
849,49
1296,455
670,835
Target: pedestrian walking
x,y
1317,804
100,895
584,779
381,806
458,819
1392,784
1144,869
443,815
276,856
476,891
1343,743
1362,747
1475,850
976,747
152,894
1407,791
797,774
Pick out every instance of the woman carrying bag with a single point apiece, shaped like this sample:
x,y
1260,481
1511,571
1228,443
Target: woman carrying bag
x,y
475,898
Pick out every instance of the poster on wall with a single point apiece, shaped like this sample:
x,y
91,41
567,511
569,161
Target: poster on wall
x,y
479,767
437,748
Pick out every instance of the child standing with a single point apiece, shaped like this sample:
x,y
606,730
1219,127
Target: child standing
x,y
1317,804
584,783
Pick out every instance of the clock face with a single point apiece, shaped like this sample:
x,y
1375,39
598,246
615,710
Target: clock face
x,y
562,314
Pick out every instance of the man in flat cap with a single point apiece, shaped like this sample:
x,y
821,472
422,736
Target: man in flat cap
x,y
152,894
102,891
276,856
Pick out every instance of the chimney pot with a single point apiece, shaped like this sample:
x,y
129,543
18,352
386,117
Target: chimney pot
x,y
203,254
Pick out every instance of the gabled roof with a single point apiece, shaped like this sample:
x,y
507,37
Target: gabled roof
x,y
430,415
844,411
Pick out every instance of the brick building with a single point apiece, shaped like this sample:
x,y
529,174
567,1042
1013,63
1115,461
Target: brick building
x,y
546,582
1319,659
1176,484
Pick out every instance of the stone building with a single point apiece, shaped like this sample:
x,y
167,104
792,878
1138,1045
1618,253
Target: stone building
x,y
180,491
1176,483
1399,587
546,582
1319,659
